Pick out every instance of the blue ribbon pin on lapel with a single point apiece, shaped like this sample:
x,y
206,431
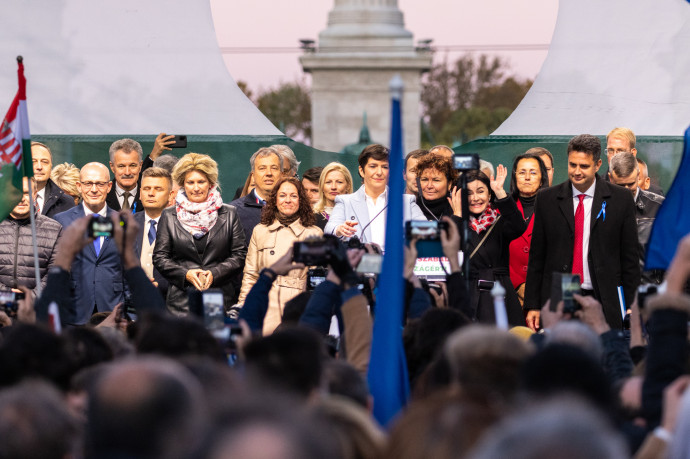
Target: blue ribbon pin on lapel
x,y
602,212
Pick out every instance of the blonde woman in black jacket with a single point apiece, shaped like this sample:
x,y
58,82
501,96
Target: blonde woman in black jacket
x,y
200,242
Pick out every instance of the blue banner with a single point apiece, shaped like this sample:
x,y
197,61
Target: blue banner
x,y
673,219
388,380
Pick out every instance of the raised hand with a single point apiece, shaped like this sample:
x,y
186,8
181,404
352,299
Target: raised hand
x,y
455,201
161,144
497,182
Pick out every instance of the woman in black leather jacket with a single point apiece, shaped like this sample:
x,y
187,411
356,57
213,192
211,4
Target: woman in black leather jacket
x,y
200,241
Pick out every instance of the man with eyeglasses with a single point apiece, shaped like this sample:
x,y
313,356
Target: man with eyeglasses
x,y
96,275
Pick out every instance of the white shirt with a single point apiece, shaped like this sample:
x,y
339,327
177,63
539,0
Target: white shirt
x,y
377,226
146,257
103,213
121,195
587,203
40,198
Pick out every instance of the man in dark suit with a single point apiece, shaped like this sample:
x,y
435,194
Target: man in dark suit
x,y
585,226
50,199
156,191
266,164
126,158
96,275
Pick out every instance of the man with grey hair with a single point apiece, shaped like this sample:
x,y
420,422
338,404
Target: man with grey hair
x,y
290,163
266,165
126,158
624,170
486,167
541,430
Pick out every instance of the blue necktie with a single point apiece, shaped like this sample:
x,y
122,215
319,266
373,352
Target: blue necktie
x,y
97,241
152,231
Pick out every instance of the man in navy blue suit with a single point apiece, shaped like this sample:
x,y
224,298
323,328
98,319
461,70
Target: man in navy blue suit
x,y
96,275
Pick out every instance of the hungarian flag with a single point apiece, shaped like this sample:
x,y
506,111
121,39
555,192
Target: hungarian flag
x,y
15,149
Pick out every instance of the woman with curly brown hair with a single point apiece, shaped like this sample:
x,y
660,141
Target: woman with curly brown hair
x,y
436,176
286,218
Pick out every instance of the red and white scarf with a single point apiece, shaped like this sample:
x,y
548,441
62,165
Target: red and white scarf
x,y
198,217
485,220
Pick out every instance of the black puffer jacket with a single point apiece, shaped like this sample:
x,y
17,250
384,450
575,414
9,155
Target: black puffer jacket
x,y
17,253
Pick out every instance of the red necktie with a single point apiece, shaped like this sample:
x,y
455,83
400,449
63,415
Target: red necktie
x,y
579,231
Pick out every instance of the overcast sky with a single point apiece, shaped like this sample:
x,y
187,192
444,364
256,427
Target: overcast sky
x,y
279,23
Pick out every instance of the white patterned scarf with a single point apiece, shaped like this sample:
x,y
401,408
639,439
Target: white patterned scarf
x,y
198,217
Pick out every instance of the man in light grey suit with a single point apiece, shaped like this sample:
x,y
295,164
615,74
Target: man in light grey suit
x,y
363,213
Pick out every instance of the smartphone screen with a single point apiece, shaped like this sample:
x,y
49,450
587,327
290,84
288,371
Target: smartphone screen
x,y
213,310
370,264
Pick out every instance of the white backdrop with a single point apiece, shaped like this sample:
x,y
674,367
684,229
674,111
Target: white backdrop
x,y
611,63
115,67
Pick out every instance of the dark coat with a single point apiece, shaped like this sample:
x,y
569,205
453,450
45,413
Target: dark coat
x,y
249,213
647,205
96,281
139,217
490,263
17,253
519,252
613,257
175,254
55,200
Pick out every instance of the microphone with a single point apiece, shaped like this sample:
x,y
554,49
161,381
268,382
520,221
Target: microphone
x,y
375,216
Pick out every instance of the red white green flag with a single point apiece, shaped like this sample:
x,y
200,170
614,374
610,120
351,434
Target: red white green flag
x,y
15,149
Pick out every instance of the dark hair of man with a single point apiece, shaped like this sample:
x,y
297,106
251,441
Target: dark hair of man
x,y
30,351
270,211
87,347
373,151
416,154
623,164
313,174
157,172
441,164
343,379
157,415
586,143
564,368
514,192
175,337
35,422
481,176
289,360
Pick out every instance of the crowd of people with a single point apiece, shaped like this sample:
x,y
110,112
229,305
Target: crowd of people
x,y
169,322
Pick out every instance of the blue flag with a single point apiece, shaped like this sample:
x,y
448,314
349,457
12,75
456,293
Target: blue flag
x,y
673,218
387,376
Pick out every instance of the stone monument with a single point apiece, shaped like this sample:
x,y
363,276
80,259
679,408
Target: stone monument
x,y
363,47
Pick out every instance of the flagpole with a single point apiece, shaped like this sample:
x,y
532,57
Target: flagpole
x,y
32,210
27,170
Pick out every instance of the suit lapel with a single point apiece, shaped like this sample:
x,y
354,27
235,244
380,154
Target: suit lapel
x,y
359,208
139,243
565,204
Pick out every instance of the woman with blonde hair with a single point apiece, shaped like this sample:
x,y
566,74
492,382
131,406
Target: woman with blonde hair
x,y
66,176
335,180
199,241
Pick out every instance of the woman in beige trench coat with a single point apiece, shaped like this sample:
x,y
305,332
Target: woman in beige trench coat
x,y
286,218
